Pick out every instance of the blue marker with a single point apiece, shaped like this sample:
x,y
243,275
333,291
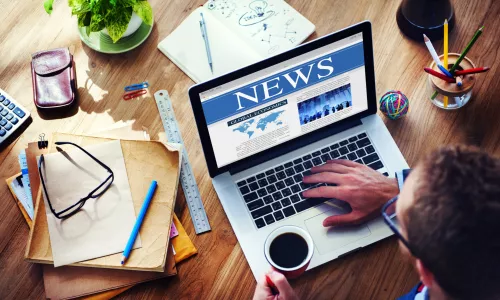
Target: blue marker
x,y
445,72
138,222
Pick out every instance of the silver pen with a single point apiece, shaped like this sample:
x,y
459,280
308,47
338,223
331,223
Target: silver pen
x,y
204,34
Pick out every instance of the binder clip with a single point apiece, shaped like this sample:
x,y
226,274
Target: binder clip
x,y
137,86
42,142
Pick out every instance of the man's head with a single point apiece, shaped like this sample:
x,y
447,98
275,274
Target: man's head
x,y
449,211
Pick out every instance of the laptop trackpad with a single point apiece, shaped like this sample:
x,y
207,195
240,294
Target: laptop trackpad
x,y
327,239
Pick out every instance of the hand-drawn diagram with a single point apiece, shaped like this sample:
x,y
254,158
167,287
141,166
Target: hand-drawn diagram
x,y
290,34
265,22
257,14
225,7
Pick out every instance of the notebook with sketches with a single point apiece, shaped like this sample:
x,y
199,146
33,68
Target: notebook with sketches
x,y
240,33
144,160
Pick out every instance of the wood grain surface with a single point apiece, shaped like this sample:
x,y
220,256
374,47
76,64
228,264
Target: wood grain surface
x,y
220,270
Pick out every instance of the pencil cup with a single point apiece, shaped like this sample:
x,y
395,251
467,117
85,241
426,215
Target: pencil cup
x,y
458,96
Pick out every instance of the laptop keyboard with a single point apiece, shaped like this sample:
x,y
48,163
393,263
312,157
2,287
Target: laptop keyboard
x,y
276,193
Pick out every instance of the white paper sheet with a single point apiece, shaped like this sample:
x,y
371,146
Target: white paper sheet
x,y
268,27
21,195
103,225
186,48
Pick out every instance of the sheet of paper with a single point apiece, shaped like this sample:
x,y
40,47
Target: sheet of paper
x,y
186,48
267,26
28,201
173,231
103,225
18,188
124,131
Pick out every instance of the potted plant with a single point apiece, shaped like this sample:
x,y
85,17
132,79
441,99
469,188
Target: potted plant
x,y
116,18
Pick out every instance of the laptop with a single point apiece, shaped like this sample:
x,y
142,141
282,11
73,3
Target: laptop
x,y
264,126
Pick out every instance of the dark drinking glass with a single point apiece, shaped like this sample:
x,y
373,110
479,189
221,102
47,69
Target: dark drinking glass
x,y
418,17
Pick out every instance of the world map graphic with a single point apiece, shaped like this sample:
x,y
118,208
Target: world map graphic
x,y
259,125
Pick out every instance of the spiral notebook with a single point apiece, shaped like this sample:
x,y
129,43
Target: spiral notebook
x,y
240,33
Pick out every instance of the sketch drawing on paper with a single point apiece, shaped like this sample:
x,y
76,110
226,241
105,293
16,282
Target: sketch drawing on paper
x,y
225,7
258,13
287,34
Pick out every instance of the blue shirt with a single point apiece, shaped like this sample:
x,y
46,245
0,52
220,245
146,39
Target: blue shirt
x,y
414,294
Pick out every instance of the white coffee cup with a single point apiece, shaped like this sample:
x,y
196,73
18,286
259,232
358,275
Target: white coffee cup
x,y
295,271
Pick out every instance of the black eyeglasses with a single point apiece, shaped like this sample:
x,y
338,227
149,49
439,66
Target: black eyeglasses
x,y
95,193
389,213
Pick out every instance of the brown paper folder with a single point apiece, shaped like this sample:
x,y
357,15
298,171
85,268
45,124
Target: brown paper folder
x,y
145,161
31,153
71,282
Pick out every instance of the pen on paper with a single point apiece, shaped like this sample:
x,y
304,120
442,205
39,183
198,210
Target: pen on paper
x,y
204,34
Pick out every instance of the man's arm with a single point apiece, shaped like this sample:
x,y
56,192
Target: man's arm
x,y
365,189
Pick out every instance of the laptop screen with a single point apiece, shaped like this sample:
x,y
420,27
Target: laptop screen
x,y
279,103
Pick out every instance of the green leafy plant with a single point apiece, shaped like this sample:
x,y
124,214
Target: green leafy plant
x,y
114,15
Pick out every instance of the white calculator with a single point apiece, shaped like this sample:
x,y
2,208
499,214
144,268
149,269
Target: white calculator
x,y
12,116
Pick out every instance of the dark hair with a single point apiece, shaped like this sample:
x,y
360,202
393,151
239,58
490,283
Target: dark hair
x,y
454,225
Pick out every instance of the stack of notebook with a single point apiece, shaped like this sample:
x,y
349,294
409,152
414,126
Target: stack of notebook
x,y
156,254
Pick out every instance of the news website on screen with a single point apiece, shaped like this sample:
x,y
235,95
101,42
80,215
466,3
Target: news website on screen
x,y
287,100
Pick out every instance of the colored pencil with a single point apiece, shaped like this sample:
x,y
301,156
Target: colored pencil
x,y
469,46
445,44
445,72
439,75
472,71
138,222
459,60
432,51
445,56
459,81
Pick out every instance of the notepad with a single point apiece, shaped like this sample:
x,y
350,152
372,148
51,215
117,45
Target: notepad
x,y
103,225
144,160
240,33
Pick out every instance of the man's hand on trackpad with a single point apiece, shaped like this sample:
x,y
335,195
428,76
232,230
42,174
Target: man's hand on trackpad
x,y
365,189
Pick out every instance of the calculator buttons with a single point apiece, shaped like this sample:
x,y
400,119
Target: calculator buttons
x,y
19,112
12,116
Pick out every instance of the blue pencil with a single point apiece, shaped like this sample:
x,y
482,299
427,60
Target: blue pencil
x,y
138,222
445,72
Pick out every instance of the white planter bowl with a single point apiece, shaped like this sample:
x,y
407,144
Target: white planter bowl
x,y
133,25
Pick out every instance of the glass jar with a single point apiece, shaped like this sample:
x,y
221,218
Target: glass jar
x,y
449,95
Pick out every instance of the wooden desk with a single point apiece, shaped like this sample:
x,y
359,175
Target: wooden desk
x,y
220,270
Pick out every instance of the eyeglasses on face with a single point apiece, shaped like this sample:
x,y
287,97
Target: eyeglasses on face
x,y
95,193
389,214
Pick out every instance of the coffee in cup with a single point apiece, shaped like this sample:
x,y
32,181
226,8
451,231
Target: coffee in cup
x,y
289,250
